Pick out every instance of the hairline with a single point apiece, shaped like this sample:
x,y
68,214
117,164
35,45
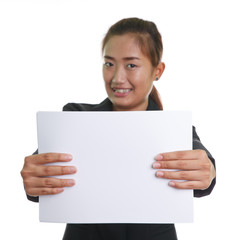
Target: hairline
x,y
137,36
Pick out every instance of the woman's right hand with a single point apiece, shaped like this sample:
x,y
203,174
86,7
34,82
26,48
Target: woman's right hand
x,y
36,174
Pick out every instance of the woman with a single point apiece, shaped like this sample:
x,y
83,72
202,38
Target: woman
x,y
132,51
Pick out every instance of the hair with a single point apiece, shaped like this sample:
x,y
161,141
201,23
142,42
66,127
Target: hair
x,y
148,38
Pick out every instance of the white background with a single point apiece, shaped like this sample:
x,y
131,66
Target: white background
x,y
50,55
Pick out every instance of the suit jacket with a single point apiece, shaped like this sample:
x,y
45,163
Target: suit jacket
x,y
126,231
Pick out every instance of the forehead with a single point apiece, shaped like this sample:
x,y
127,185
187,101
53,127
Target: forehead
x,y
120,45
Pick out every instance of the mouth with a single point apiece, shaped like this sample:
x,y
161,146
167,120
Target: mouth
x,y
121,92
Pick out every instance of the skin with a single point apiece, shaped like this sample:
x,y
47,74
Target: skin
x,y
36,175
194,167
125,67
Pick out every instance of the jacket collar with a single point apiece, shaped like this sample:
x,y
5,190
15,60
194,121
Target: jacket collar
x,y
106,105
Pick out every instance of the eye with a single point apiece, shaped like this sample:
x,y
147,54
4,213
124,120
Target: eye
x,y
108,64
131,65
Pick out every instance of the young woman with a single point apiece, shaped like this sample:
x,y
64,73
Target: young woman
x,y
132,51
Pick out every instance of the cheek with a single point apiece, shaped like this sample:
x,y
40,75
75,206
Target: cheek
x,y
145,73
106,76
107,81
143,80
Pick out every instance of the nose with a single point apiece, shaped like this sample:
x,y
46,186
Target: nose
x,y
119,76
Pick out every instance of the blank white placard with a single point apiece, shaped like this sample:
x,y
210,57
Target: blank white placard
x,y
114,153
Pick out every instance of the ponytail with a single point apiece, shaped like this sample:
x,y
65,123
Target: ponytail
x,y
155,95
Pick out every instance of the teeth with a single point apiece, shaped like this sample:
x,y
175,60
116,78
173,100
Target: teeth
x,y
122,90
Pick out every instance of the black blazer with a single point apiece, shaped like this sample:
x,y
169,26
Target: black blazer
x,y
126,231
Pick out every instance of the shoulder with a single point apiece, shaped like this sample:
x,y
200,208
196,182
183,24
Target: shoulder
x,y
78,107
105,105
194,133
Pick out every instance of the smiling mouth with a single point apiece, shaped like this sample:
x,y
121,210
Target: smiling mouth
x,y
121,90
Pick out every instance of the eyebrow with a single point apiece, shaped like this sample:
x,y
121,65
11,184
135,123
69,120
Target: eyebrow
x,y
126,58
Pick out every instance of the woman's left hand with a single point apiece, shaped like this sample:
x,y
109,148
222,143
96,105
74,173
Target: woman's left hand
x,y
193,166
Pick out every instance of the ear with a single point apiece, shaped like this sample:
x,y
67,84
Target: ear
x,y
159,70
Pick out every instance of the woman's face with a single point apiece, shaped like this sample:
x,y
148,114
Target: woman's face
x,y
128,74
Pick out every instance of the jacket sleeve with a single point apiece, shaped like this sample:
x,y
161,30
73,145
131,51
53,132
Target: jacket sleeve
x,y
198,145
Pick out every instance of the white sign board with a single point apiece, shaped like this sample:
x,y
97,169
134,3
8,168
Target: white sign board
x,y
114,153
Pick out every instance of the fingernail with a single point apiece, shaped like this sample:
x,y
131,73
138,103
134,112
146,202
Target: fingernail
x,y
71,182
156,165
72,169
159,157
160,174
171,184
58,190
68,157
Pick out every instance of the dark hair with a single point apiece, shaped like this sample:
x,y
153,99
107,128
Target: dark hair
x,y
147,36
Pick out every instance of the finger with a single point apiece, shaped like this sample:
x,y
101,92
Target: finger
x,y
187,185
44,171
180,175
177,164
43,191
53,183
45,158
178,155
